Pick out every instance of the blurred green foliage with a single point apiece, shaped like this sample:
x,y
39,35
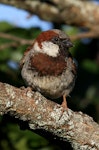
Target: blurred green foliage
x,y
85,96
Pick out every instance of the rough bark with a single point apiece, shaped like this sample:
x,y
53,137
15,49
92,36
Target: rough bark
x,y
44,115
71,12
77,12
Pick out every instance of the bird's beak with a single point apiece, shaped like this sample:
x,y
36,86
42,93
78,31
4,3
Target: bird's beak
x,y
67,43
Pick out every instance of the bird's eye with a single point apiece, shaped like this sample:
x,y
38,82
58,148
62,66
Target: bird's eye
x,y
56,38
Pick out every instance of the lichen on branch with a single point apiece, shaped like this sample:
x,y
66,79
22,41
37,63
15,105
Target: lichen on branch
x,y
77,128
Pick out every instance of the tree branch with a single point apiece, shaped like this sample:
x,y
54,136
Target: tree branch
x,y
76,12
44,115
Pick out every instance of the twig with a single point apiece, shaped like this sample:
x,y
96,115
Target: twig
x,y
17,39
44,115
89,34
6,45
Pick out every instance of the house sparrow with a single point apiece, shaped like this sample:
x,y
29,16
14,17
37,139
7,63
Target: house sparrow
x,y
48,67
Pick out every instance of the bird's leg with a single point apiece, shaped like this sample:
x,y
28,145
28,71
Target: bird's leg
x,y
64,103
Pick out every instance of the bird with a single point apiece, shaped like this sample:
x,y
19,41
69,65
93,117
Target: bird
x,y
48,67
